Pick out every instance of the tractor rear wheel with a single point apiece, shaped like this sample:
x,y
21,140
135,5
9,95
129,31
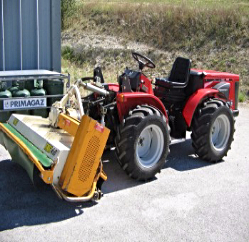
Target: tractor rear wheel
x,y
212,130
142,142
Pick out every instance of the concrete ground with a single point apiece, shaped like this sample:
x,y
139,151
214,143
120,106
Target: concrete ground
x,y
190,200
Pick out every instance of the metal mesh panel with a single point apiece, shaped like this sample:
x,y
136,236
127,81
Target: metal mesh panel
x,y
88,159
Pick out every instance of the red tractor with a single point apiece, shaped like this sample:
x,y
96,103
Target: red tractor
x,y
142,115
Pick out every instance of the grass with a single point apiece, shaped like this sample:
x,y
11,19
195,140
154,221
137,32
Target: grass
x,y
242,97
175,2
166,26
85,69
214,34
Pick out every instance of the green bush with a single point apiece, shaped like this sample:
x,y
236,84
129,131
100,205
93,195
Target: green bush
x,y
67,10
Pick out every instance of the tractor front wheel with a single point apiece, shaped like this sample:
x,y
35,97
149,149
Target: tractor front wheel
x,y
212,130
142,143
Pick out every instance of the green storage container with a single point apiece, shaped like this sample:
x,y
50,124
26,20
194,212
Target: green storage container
x,y
53,87
39,91
14,88
4,93
22,92
29,85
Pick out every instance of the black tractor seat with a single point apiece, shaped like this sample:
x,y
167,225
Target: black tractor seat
x,y
179,75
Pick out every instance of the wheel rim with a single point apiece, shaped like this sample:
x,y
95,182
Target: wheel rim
x,y
150,146
220,133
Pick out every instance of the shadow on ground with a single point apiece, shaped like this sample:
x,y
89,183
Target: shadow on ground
x,y
23,204
182,157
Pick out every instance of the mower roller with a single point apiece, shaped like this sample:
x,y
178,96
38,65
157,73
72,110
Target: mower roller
x,y
137,116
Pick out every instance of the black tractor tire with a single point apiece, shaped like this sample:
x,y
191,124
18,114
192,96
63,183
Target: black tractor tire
x,y
142,142
212,130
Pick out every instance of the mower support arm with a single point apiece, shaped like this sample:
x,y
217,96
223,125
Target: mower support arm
x,y
58,107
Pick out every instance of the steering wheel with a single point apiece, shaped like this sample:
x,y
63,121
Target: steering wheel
x,y
143,61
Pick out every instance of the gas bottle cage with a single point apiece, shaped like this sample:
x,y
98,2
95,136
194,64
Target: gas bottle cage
x,y
39,89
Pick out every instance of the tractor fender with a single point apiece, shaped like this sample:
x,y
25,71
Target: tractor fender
x,y
112,87
194,101
128,101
